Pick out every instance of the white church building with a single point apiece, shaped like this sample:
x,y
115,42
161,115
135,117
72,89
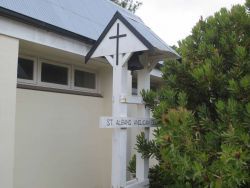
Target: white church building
x,y
63,65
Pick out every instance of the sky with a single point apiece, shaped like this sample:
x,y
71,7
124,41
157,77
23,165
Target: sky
x,y
173,20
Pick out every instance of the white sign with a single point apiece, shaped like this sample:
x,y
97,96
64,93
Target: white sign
x,y
126,122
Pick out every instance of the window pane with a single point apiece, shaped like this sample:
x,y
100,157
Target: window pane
x,y
25,69
54,74
84,79
134,84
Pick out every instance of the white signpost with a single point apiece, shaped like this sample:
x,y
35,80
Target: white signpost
x,y
117,44
120,122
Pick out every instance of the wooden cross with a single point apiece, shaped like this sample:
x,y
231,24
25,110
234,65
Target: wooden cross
x,y
117,41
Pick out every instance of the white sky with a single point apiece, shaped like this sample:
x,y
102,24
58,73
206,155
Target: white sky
x,y
173,20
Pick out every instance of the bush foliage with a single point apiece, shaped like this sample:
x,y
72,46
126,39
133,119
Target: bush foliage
x,y
203,108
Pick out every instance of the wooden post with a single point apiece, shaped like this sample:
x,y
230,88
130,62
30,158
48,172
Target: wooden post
x,y
119,137
142,165
120,122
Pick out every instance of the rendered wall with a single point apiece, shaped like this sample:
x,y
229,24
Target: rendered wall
x,y
8,70
58,140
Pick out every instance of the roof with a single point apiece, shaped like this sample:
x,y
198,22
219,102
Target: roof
x,y
84,19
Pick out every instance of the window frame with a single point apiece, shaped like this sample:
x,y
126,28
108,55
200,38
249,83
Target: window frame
x,y
27,81
71,67
53,85
75,67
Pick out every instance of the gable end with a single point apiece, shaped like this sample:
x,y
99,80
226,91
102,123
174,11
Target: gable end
x,y
119,16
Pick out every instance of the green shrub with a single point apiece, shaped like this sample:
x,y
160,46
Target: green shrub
x,y
203,109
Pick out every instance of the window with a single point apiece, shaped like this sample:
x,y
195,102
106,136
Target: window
x,y
83,79
134,84
25,69
55,74
134,88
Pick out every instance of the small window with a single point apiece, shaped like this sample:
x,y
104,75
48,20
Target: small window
x,y
54,74
134,88
134,84
84,79
25,69
35,71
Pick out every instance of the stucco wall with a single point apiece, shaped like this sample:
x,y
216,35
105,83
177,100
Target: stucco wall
x,y
58,142
8,70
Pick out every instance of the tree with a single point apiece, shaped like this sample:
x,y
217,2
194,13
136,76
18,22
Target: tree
x,y
131,5
203,109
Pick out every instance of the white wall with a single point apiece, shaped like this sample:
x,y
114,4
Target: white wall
x,y
58,140
34,34
8,71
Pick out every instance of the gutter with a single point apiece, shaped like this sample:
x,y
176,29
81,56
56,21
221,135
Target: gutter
x,y
43,25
